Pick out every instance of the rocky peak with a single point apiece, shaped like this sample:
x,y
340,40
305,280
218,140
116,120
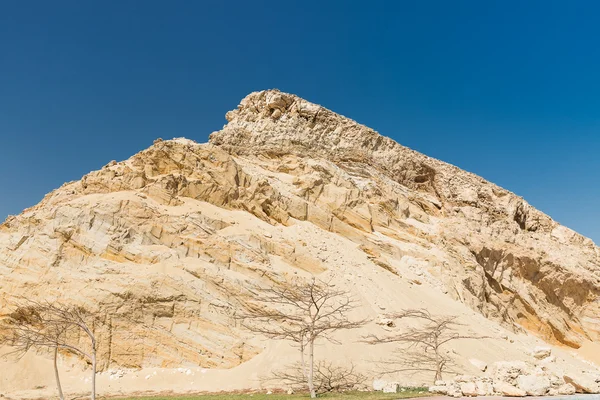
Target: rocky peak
x,y
289,188
276,123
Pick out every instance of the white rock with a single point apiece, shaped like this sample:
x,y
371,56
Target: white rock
x,y
583,383
566,389
534,385
454,390
468,389
391,387
484,388
541,352
506,389
439,389
508,371
555,381
185,141
379,384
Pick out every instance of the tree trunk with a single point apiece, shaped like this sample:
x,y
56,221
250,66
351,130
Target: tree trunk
x,y
61,396
439,365
303,361
94,374
311,370
439,362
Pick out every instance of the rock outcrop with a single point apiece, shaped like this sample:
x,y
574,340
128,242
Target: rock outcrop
x,y
288,187
515,379
502,250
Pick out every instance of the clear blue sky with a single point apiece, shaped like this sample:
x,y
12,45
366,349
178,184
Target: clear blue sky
x,y
509,90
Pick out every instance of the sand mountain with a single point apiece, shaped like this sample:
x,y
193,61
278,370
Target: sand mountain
x,y
288,188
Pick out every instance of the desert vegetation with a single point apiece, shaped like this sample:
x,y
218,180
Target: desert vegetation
x,y
304,312
301,311
51,326
423,345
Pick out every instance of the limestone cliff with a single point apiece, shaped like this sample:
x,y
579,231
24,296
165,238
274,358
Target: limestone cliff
x,y
506,259
289,187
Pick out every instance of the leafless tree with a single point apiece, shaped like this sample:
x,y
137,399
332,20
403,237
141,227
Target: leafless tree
x,y
327,377
302,312
56,326
423,344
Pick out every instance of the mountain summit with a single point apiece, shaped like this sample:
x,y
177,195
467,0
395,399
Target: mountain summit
x,y
289,188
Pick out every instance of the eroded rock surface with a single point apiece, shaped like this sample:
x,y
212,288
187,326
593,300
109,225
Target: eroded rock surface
x,y
288,187
508,260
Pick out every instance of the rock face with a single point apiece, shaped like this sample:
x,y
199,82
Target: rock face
x,y
503,250
288,187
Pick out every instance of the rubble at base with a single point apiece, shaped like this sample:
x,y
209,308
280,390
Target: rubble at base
x,y
511,379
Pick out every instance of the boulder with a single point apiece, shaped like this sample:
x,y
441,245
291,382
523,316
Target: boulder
x,y
506,389
541,352
391,387
468,389
583,383
454,390
555,381
379,384
508,371
484,388
480,365
566,389
534,385
439,389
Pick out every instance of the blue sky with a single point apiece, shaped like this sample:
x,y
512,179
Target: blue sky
x,y
509,90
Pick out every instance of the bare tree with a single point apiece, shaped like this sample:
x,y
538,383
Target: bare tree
x,y
327,377
423,344
301,312
24,329
56,326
